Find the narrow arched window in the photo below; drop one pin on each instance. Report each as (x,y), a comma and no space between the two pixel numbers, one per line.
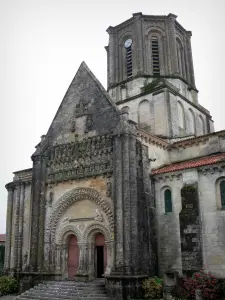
(126,110)
(202,125)
(191,121)
(180,115)
(168,201)
(155,56)
(128,47)
(144,118)
(222,193)
(180,57)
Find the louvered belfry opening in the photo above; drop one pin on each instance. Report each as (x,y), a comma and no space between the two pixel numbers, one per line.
(129,62)
(155,56)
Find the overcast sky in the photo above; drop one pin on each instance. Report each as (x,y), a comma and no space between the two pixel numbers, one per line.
(43,43)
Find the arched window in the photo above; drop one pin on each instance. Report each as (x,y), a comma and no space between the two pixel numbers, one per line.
(180,115)
(126,110)
(168,201)
(202,125)
(128,47)
(180,57)
(222,193)
(144,116)
(191,121)
(155,56)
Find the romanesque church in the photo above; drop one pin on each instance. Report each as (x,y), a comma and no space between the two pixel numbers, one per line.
(127,183)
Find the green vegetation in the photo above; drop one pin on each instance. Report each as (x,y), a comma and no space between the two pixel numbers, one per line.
(8,285)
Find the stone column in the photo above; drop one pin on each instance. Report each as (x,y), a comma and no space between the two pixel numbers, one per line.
(21,218)
(190,59)
(10,187)
(133,203)
(42,216)
(126,204)
(16,225)
(172,43)
(112,61)
(139,63)
(35,201)
(83,257)
(118,207)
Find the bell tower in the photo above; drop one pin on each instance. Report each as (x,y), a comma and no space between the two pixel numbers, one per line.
(150,59)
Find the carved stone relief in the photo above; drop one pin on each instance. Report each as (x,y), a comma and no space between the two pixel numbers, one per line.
(89,157)
(69,199)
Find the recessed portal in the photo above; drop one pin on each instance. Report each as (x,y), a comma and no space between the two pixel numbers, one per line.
(100,255)
(73,256)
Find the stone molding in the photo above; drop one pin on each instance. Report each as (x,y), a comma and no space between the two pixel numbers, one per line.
(65,231)
(68,199)
(95,228)
(167,177)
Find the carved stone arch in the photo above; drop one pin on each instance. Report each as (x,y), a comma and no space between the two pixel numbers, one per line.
(91,230)
(179,41)
(68,199)
(192,121)
(123,37)
(160,32)
(217,185)
(66,231)
(181,115)
(156,33)
(164,193)
(144,115)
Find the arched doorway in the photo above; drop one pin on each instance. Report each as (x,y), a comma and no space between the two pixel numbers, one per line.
(100,255)
(73,256)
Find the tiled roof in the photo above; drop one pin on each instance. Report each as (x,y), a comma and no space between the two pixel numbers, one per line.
(2,237)
(194,163)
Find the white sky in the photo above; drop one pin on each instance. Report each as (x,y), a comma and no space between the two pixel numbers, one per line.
(43,43)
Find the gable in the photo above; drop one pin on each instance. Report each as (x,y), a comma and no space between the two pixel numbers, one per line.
(86,110)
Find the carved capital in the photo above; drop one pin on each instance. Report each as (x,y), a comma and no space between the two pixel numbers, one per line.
(10,186)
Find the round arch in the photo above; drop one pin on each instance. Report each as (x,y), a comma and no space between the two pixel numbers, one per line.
(65,232)
(91,230)
(68,199)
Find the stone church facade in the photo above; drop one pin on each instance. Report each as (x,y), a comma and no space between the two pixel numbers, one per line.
(129,182)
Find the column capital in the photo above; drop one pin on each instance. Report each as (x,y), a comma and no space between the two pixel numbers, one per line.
(10,186)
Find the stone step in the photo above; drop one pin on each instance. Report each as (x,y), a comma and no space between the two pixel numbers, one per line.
(72,290)
(62,293)
(66,290)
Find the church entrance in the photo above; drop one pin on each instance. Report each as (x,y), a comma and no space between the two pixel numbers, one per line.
(73,256)
(100,255)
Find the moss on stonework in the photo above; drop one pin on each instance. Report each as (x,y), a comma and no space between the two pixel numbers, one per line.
(150,87)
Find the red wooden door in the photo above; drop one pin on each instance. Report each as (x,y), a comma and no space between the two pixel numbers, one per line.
(73,256)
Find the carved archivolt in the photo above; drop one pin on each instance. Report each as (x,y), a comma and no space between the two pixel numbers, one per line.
(66,231)
(68,199)
(91,230)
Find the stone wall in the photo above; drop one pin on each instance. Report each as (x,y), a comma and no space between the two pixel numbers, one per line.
(211,219)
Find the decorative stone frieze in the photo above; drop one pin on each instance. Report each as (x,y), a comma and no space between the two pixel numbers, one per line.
(168,177)
(89,157)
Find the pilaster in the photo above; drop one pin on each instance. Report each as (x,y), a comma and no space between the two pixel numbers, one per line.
(42,216)
(35,209)
(21,218)
(10,187)
(190,59)
(16,226)
(112,75)
(118,207)
(172,43)
(139,44)
(133,203)
(126,204)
